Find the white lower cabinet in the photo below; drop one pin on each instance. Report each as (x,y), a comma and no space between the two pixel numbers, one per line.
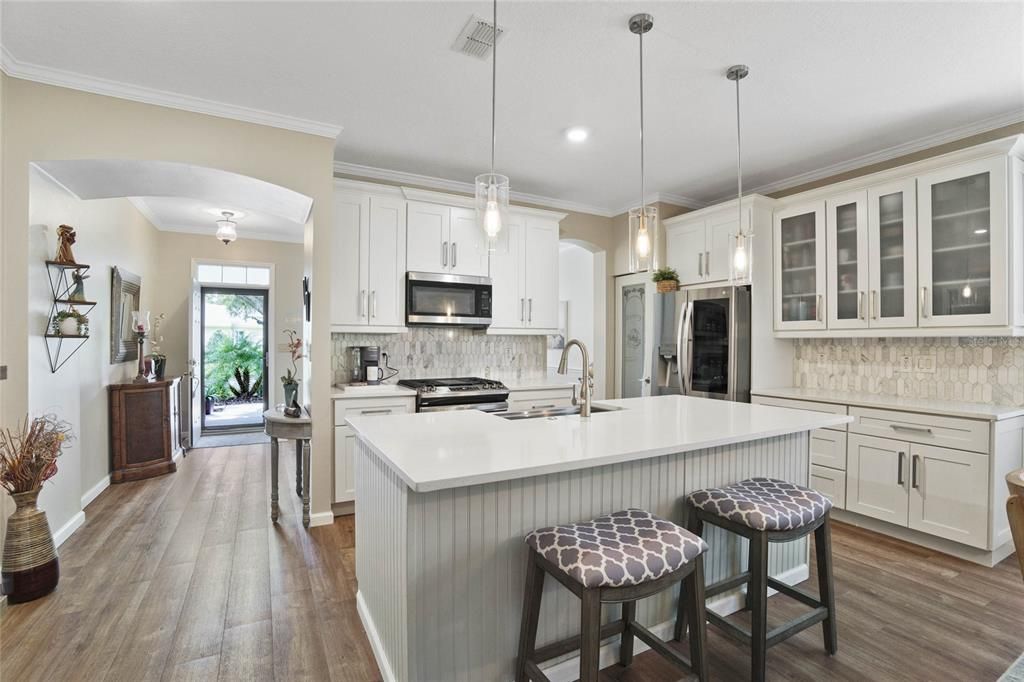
(345,437)
(539,399)
(876,481)
(831,483)
(949,494)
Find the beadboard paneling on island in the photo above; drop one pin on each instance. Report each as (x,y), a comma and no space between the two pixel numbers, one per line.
(429,352)
(969,369)
(459,617)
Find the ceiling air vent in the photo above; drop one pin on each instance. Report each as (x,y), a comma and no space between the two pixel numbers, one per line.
(476,38)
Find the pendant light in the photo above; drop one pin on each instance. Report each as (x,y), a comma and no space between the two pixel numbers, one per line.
(226,228)
(492,192)
(643,221)
(742,242)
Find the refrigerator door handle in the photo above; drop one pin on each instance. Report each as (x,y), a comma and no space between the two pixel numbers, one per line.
(682,359)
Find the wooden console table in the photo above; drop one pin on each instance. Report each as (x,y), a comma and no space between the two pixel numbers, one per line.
(299,429)
(143,429)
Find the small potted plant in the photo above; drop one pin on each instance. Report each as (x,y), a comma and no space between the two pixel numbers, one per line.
(667,279)
(158,358)
(290,380)
(70,322)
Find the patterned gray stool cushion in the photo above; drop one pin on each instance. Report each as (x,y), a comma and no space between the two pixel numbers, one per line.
(763,504)
(624,548)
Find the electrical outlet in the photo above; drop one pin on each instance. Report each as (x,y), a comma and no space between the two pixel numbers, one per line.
(822,360)
(926,363)
(906,363)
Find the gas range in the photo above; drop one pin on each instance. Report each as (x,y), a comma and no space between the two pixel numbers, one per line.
(463,393)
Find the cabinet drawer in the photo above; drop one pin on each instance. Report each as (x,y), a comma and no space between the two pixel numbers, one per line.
(811,405)
(949,432)
(345,408)
(537,399)
(828,448)
(830,483)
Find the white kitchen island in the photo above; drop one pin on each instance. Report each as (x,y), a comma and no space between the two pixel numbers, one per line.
(446,498)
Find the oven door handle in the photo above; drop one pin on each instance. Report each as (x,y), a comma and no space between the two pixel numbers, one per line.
(501,406)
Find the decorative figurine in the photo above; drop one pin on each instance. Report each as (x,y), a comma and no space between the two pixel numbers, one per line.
(78,292)
(66,235)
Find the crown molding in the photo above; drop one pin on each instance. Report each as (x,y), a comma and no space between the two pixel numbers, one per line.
(920,144)
(16,68)
(664,198)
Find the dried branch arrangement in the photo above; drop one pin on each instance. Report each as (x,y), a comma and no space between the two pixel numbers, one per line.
(28,456)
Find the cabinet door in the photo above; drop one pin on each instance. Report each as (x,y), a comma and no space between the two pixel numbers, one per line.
(892,254)
(949,494)
(468,244)
(344,457)
(799,253)
(718,259)
(846,224)
(963,247)
(508,299)
(877,479)
(541,273)
(427,237)
(386,304)
(830,483)
(685,245)
(349,251)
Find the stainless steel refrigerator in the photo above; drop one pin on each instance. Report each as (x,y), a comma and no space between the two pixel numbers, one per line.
(702,343)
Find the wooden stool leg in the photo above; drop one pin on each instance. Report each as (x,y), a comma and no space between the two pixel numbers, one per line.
(531,616)
(826,588)
(590,635)
(757,591)
(695,526)
(275,511)
(298,467)
(626,647)
(693,595)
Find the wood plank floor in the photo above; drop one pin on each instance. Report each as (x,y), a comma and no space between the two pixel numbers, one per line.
(184,578)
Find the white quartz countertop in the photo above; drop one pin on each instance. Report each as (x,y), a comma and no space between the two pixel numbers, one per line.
(924,405)
(440,450)
(378,391)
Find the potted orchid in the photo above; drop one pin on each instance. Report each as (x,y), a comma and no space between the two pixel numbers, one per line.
(290,380)
(158,358)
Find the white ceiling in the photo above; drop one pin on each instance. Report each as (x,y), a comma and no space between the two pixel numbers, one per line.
(197,216)
(830,81)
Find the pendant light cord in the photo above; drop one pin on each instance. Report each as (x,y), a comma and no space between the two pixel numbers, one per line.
(643,212)
(739,162)
(494,79)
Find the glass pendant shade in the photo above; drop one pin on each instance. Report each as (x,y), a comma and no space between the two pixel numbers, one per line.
(492,194)
(644,238)
(742,257)
(226,231)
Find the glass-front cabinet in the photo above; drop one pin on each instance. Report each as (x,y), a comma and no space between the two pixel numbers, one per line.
(848,266)
(963,250)
(800,264)
(892,254)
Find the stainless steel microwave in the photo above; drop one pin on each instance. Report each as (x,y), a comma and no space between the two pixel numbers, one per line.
(443,300)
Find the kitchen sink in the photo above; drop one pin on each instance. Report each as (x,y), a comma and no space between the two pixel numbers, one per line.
(552,412)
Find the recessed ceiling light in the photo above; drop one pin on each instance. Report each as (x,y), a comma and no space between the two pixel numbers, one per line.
(577,134)
(981,230)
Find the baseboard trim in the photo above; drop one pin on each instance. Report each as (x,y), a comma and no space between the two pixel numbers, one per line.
(321,519)
(94,492)
(375,644)
(343,508)
(967,553)
(569,669)
(65,531)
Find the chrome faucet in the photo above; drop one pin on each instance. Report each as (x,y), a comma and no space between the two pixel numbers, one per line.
(588,376)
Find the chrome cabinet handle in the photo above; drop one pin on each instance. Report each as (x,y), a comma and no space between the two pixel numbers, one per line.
(444,254)
(913,472)
(912,429)
(875,304)
(522,309)
(860,305)
(362,303)
(924,302)
(529,313)
(373,303)
(707,263)
(817,308)
(700,264)
(899,469)
(455,253)
(383,411)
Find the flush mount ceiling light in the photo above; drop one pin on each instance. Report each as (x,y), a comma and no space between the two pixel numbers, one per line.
(643,221)
(492,191)
(577,134)
(226,227)
(742,242)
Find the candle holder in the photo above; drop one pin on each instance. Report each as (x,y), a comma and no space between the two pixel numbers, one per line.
(140,323)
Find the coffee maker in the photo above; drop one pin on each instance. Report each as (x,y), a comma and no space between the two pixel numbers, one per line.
(366,365)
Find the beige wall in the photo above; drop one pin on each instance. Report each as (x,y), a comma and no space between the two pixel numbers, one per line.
(176,253)
(42,122)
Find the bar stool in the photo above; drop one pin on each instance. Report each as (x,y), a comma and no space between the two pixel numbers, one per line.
(765,510)
(614,559)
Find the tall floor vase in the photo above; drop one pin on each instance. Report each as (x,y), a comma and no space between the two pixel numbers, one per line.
(30,567)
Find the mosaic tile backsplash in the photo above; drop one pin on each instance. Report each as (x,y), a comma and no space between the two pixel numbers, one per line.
(969,369)
(428,352)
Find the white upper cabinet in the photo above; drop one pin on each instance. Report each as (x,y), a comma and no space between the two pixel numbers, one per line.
(846,237)
(684,246)
(541,273)
(699,248)
(524,273)
(800,262)
(369,261)
(508,300)
(445,239)
(892,254)
(963,248)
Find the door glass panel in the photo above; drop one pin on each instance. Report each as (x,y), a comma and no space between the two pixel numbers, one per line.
(847,286)
(633,306)
(709,366)
(799,268)
(891,252)
(961,247)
